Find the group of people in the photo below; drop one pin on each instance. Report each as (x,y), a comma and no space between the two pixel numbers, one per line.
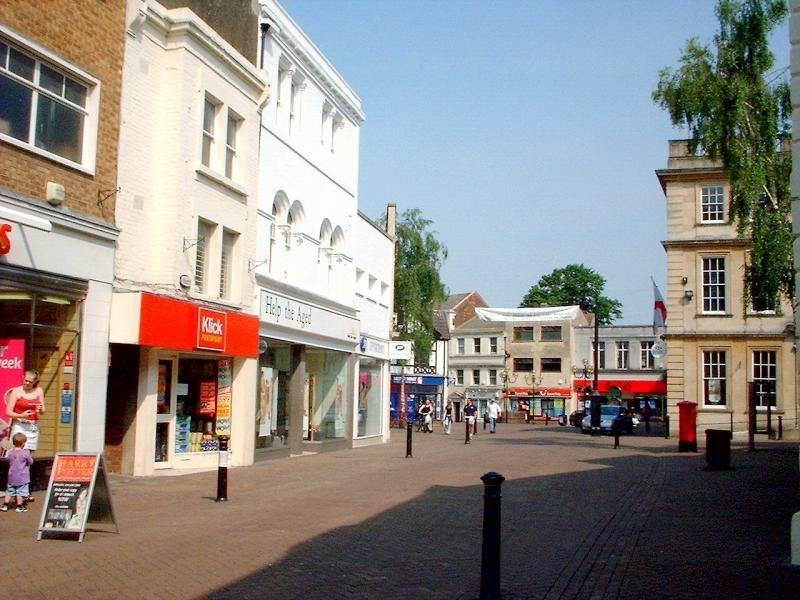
(425,416)
(19,437)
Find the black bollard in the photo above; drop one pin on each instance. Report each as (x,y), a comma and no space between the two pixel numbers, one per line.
(490,552)
(222,470)
(466,435)
(616,437)
(666,427)
(485,420)
(475,426)
(780,427)
(409,429)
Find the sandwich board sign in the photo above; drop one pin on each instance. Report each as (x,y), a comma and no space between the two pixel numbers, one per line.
(78,493)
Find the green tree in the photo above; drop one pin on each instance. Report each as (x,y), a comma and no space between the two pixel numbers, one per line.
(574,284)
(738,111)
(418,287)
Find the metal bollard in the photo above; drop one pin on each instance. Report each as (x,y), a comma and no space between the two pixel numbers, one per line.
(475,426)
(466,435)
(780,427)
(547,418)
(485,419)
(490,552)
(616,438)
(666,427)
(222,470)
(409,429)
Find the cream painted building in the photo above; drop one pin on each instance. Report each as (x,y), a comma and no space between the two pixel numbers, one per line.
(717,346)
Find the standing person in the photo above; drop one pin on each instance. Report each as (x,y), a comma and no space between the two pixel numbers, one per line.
(493,412)
(24,404)
(647,413)
(19,474)
(448,417)
(426,411)
(469,415)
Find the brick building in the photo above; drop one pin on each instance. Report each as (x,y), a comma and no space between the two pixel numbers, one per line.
(60,76)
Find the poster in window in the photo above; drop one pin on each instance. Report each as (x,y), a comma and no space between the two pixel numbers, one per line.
(714,391)
(208,398)
(267,389)
(224,397)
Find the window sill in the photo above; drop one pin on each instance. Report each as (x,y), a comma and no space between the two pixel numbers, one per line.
(48,155)
(221,180)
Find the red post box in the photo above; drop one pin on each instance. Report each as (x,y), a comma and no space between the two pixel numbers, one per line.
(687,426)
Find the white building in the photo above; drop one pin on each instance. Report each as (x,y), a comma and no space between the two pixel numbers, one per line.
(317,263)
(184,289)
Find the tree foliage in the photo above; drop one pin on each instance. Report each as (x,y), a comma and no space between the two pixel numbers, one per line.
(418,287)
(739,112)
(574,284)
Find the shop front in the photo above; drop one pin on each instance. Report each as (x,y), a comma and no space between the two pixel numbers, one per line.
(633,393)
(411,391)
(373,373)
(307,371)
(193,386)
(55,284)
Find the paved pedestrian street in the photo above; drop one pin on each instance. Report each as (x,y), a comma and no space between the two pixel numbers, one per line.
(580,519)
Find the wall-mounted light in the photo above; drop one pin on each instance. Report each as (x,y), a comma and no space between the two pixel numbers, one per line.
(688,294)
(684,280)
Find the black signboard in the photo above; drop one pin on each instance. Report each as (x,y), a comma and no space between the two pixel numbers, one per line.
(78,493)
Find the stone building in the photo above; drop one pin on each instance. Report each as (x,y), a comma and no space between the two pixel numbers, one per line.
(722,353)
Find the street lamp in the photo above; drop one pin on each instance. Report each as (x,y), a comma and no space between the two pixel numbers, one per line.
(587,304)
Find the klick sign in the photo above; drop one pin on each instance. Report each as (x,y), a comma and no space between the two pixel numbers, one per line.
(211,329)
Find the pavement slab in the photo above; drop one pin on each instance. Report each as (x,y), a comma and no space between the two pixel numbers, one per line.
(580,519)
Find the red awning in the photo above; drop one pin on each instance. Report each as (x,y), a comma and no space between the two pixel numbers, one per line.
(630,387)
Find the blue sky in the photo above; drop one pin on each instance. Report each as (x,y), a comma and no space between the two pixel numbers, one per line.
(524,130)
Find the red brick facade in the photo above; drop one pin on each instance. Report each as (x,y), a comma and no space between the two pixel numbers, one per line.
(89,34)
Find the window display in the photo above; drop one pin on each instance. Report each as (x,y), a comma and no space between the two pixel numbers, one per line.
(203,407)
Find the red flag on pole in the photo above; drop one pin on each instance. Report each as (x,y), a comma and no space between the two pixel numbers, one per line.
(659,308)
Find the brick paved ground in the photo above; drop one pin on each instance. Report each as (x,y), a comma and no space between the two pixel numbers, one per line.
(580,520)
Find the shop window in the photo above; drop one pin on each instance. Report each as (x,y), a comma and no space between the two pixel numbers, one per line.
(203,404)
(47,106)
(370,384)
(714,378)
(42,331)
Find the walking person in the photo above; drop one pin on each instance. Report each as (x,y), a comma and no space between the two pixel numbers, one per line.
(469,416)
(647,413)
(493,412)
(19,474)
(447,422)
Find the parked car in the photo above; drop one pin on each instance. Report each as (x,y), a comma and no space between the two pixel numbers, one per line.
(575,417)
(609,413)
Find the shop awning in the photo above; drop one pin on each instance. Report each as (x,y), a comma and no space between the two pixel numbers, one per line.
(630,387)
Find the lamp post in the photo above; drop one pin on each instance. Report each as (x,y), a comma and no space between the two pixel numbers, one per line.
(593,304)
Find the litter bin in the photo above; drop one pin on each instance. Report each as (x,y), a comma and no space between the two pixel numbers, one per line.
(562,419)
(718,449)
(687,426)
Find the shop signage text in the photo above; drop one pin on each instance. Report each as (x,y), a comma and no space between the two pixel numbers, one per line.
(5,241)
(211,329)
(278,309)
(290,313)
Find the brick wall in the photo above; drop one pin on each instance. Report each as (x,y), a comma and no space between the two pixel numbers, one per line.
(90,35)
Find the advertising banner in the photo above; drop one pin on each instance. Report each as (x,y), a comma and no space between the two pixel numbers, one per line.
(12,370)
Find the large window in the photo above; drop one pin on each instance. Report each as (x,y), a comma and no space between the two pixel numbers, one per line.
(202,256)
(523,334)
(524,365)
(712,204)
(551,365)
(460,376)
(623,355)
(230,144)
(460,345)
(551,333)
(714,284)
(476,376)
(476,345)
(601,354)
(493,345)
(46,105)
(765,375)
(209,116)
(492,376)
(226,271)
(714,377)
(645,355)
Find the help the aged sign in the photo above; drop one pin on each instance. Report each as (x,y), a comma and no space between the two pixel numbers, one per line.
(211,329)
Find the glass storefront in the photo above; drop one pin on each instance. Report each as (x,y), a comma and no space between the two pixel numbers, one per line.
(370,386)
(326,403)
(193,404)
(41,330)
